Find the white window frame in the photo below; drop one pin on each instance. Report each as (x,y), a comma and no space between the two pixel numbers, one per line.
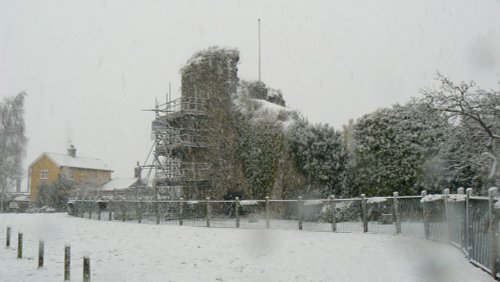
(44,174)
(71,174)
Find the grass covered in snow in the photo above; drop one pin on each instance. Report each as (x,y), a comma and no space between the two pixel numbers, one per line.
(133,252)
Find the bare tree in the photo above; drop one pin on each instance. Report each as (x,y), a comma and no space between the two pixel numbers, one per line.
(475,114)
(12,143)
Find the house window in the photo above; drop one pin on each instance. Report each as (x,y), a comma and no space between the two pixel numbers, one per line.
(44,174)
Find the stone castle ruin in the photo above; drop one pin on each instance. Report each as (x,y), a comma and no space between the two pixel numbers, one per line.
(202,139)
(193,134)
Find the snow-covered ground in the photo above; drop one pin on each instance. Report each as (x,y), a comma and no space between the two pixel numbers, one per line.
(133,252)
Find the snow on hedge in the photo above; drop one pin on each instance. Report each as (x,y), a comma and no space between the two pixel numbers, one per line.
(456,198)
(431,198)
(376,200)
(248,203)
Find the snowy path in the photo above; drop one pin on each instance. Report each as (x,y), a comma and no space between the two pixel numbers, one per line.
(133,252)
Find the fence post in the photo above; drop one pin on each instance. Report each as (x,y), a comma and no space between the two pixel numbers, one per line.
(7,241)
(237,212)
(111,207)
(157,211)
(19,245)
(86,269)
(468,225)
(397,222)
(301,212)
(363,213)
(81,208)
(447,213)
(493,228)
(67,263)
(124,210)
(139,210)
(267,212)
(332,213)
(461,220)
(98,210)
(181,210)
(90,209)
(208,212)
(41,247)
(425,217)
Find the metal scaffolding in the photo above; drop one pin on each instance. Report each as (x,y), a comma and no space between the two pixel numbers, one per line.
(180,133)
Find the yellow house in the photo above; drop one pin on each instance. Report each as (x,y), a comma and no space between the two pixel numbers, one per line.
(49,167)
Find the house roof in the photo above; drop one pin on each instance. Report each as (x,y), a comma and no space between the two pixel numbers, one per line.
(119,184)
(75,162)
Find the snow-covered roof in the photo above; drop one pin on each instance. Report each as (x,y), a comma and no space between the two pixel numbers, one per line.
(119,184)
(76,162)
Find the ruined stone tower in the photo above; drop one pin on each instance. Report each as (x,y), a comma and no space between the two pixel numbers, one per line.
(194,135)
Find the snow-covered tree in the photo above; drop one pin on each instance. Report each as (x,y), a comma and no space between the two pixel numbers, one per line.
(320,155)
(394,148)
(261,145)
(475,114)
(263,148)
(54,195)
(12,142)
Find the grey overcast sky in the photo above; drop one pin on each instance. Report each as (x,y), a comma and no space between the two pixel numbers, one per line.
(89,67)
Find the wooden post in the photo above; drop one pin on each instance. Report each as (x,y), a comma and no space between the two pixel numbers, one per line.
(300,211)
(181,210)
(139,210)
(397,222)
(208,212)
(67,263)
(333,210)
(86,269)
(468,225)
(90,209)
(124,210)
(41,247)
(157,211)
(19,245)
(7,241)
(447,213)
(98,210)
(363,213)
(237,212)
(493,230)
(267,212)
(81,208)
(111,207)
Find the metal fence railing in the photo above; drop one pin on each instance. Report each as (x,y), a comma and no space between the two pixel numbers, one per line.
(468,222)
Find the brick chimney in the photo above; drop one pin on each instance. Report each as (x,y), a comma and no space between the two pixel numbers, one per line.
(72,151)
